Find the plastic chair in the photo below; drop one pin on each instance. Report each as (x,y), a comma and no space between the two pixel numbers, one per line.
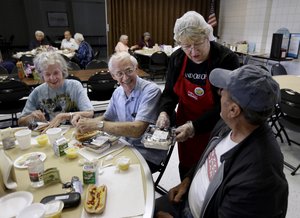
(71,76)
(3,71)
(96,64)
(27,59)
(73,66)
(100,87)
(65,58)
(158,64)
(11,92)
(278,69)
(289,118)
(161,170)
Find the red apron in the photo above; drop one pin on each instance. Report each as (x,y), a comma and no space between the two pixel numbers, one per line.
(194,101)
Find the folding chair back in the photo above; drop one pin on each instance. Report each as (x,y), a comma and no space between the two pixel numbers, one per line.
(290,118)
(278,69)
(163,166)
(100,86)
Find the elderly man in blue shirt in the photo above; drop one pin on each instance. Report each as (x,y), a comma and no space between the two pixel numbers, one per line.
(132,107)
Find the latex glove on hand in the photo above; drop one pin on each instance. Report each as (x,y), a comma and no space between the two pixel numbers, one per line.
(163,120)
(185,131)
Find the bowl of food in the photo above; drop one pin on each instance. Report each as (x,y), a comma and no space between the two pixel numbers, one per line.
(42,140)
(71,152)
(123,163)
(54,209)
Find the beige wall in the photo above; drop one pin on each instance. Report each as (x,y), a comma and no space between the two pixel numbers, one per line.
(256,21)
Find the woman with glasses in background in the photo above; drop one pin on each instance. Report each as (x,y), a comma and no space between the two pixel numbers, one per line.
(188,86)
(132,107)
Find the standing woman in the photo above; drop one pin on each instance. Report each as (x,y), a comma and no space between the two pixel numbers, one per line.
(58,99)
(188,86)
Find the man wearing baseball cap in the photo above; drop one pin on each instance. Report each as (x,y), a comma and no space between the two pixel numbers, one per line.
(241,172)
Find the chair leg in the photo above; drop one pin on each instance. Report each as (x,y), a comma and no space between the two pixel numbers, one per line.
(159,189)
(295,169)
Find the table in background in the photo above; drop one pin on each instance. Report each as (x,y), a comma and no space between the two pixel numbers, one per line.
(288,82)
(34,52)
(263,56)
(83,75)
(70,167)
(148,52)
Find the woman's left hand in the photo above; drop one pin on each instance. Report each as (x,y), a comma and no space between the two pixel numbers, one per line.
(184,132)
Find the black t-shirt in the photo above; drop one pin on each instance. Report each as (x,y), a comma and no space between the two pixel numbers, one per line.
(196,73)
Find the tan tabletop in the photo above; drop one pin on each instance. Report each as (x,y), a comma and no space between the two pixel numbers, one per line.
(70,167)
(289,82)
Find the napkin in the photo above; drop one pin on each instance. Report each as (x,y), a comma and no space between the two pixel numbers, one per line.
(90,155)
(8,180)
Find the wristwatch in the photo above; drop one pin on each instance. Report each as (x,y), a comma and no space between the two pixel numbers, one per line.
(100,125)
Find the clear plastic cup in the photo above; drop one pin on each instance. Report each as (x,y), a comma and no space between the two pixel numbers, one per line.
(24,138)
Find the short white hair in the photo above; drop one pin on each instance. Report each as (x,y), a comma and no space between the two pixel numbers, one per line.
(123,37)
(38,32)
(79,37)
(44,59)
(192,24)
(122,56)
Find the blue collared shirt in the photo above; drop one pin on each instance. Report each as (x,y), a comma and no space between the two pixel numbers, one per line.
(141,105)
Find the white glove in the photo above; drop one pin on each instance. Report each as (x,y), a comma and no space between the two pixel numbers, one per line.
(163,120)
(185,131)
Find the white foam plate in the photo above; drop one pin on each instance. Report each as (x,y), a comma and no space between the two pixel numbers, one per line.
(12,204)
(36,210)
(21,162)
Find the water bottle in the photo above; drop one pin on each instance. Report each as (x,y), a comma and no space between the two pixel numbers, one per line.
(36,171)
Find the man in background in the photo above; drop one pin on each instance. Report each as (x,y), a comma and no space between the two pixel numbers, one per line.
(68,42)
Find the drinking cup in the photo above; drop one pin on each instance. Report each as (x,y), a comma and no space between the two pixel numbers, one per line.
(24,138)
(53,134)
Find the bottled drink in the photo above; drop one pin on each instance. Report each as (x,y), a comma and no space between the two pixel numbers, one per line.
(20,67)
(36,171)
(76,184)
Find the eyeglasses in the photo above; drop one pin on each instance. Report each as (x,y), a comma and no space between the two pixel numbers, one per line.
(195,46)
(128,72)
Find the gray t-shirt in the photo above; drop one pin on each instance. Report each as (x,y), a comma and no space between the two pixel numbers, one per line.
(70,97)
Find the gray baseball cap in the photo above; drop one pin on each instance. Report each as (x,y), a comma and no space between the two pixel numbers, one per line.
(250,86)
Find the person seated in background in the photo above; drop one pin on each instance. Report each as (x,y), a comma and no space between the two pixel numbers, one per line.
(132,107)
(122,45)
(85,53)
(145,42)
(241,171)
(58,99)
(39,40)
(68,42)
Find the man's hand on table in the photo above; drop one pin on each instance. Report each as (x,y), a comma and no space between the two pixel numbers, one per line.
(86,125)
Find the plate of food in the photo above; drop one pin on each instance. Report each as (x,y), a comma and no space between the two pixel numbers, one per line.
(95,199)
(101,142)
(22,161)
(157,138)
